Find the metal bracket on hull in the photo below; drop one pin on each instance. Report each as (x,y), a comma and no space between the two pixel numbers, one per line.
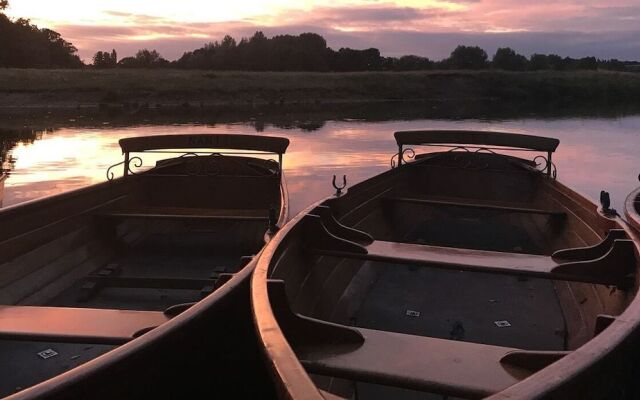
(339,188)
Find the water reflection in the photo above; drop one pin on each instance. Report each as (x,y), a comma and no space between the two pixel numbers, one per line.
(594,154)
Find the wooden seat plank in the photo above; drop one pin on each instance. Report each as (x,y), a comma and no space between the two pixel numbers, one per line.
(613,268)
(76,324)
(415,362)
(443,366)
(461,259)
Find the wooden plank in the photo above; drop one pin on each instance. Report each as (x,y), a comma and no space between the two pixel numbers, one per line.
(461,259)
(70,324)
(416,362)
(614,268)
(478,205)
(205,141)
(480,138)
(183,217)
(150,282)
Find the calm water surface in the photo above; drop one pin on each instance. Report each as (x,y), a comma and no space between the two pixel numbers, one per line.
(594,154)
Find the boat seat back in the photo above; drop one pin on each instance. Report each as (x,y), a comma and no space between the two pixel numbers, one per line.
(206,193)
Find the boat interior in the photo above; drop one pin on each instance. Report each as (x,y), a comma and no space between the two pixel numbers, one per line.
(86,271)
(456,274)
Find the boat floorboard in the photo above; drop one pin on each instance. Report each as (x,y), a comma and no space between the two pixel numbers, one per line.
(157,259)
(461,306)
(21,366)
(464,306)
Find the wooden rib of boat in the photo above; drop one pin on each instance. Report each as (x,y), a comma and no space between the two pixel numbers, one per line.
(139,286)
(632,208)
(466,272)
(3,177)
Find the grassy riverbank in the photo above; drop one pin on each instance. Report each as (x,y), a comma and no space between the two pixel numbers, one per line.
(72,88)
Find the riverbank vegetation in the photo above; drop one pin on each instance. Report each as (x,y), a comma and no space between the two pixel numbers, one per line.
(198,88)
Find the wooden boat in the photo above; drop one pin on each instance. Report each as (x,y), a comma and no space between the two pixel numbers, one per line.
(465,272)
(138,287)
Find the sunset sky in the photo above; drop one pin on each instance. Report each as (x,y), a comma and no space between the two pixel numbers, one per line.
(432,28)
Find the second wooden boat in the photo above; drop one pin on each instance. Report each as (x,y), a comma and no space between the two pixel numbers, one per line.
(468,272)
(138,287)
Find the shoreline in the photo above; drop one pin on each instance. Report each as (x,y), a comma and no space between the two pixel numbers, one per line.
(157,88)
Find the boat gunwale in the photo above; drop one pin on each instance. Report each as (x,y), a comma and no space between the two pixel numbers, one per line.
(295,383)
(632,208)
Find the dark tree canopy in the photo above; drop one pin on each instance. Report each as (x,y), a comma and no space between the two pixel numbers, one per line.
(26,46)
(144,59)
(468,57)
(104,59)
(4,4)
(507,59)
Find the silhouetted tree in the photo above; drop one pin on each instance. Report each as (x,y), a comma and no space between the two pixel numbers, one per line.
(408,63)
(143,59)
(347,59)
(507,59)
(588,63)
(26,46)
(103,59)
(4,4)
(538,62)
(468,57)
(555,62)
(128,62)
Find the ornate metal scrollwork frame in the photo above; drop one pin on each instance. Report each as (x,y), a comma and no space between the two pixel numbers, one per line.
(407,154)
(207,164)
(135,161)
(546,166)
(541,163)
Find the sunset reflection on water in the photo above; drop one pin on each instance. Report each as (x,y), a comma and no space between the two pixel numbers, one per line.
(594,154)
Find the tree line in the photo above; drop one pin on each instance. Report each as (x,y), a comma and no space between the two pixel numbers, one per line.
(24,45)
(309,52)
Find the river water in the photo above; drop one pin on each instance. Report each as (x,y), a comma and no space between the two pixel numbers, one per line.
(595,153)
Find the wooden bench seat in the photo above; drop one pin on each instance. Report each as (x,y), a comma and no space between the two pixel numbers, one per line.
(456,368)
(477,204)
(613,268)
(76,324)
(610,263)
(416,362)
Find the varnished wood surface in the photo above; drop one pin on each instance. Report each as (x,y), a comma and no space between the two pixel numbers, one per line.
(481,138)
(80,324)
(205,141)
(3,177)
